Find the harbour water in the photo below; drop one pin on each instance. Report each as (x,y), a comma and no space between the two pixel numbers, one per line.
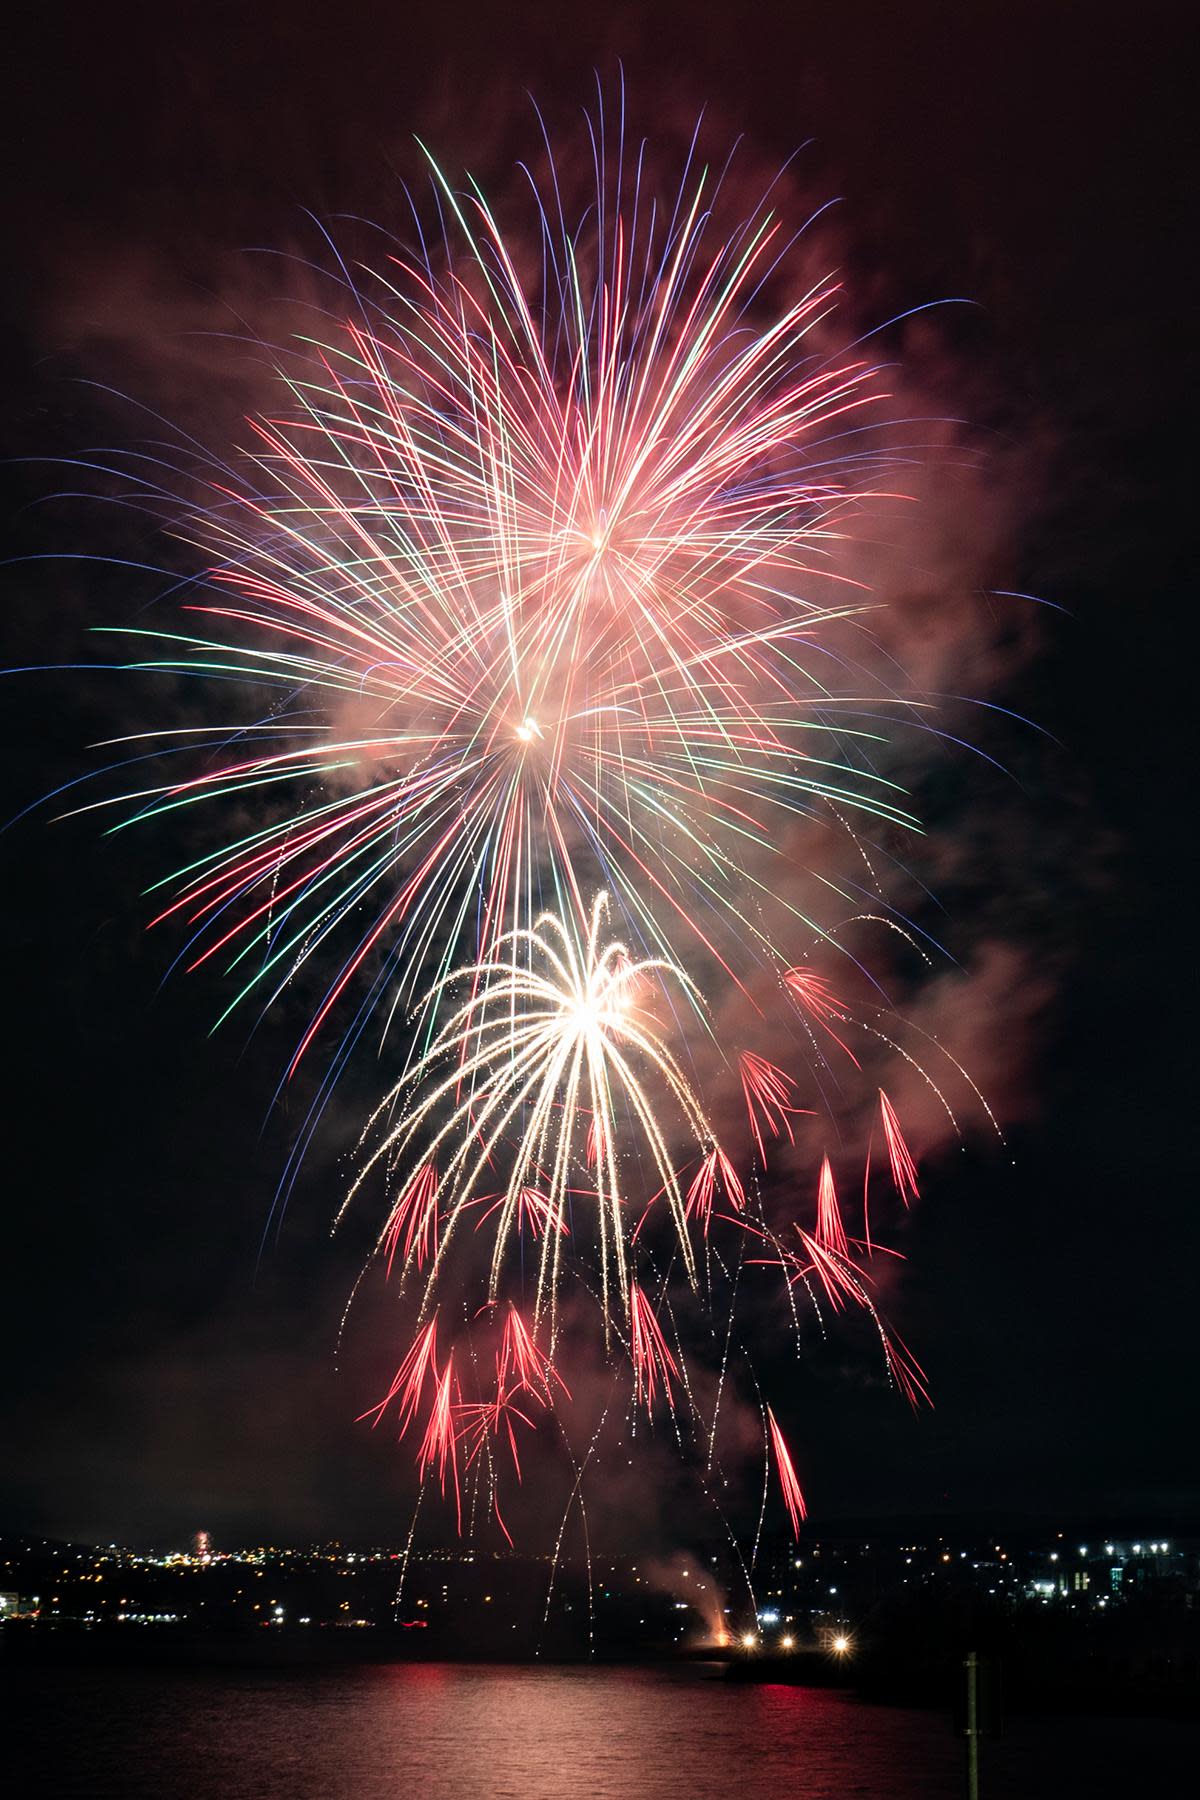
(429,1731)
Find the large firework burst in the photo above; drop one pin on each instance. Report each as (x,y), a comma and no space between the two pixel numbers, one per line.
(524,596)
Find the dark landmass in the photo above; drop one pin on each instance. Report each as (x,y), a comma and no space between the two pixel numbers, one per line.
(1061,1620)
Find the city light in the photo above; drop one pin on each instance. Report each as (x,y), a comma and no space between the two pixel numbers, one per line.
(273,1585)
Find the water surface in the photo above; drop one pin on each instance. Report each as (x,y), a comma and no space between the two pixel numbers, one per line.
(459,1732)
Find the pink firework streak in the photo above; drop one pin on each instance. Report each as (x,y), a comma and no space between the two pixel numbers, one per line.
(905,1370)
(652,1360)
(596,1141)
(793,1498)
(770,1096)
(440,1443)
(520,1358)
(409,1380)
(702,1189)
(416,1215)
(904,1169)
(481,1419)
(832,1270)
(533,1211)
(817,998)
(830,1232)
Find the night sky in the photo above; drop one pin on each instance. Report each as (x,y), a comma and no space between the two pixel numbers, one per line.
(1034,159)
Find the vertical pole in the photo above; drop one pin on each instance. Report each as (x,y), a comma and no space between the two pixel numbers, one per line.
(972,1667)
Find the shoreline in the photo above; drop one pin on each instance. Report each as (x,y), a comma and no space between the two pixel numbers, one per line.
(871,1681)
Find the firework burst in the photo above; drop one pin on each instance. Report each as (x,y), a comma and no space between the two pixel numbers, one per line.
(525,592)
(533,591)
(549,1063)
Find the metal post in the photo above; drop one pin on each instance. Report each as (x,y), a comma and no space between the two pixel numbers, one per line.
(972,1668)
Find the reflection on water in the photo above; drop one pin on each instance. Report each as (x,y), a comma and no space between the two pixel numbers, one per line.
(455,1732)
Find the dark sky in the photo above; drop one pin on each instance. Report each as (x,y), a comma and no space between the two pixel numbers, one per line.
(1036,159)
